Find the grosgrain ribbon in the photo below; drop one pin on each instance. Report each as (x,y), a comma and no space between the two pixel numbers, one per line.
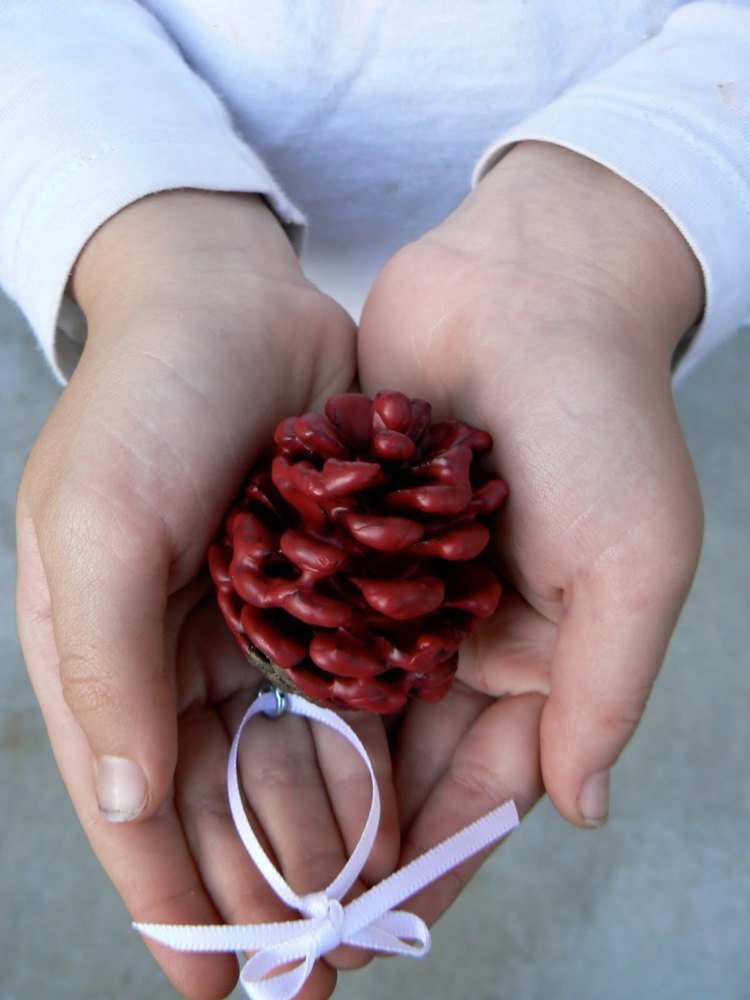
(366,922)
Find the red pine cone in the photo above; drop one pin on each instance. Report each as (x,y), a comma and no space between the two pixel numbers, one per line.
(351,560)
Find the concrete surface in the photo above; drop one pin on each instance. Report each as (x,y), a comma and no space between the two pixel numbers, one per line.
(657,905)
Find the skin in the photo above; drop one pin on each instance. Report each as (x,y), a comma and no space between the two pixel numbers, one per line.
(192,299)
(545,308)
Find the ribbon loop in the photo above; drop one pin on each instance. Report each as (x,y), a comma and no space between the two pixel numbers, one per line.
(395,933)
(369,921)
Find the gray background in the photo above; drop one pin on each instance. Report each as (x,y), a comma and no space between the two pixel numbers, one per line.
(657,904)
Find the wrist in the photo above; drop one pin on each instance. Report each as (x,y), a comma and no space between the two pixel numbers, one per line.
(574,220)
(170,245)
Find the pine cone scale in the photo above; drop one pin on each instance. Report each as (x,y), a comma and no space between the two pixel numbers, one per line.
(387,533)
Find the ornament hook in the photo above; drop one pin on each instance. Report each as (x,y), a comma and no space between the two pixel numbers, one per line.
(280,705)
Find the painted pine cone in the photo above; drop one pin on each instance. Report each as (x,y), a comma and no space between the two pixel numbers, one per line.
(352,559)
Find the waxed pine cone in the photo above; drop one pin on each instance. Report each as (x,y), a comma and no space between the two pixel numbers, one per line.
(352,559)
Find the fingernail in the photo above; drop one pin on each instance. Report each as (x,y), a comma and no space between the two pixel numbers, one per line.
(121,788)
(594,799)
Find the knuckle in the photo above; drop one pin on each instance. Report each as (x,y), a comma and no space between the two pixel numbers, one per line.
(619,725)
(210,804)
(322,862)
(285,772)
(480,783)
(618,717)
(85,691)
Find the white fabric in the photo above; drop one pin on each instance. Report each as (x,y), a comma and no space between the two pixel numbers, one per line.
(369,921)
(365,117)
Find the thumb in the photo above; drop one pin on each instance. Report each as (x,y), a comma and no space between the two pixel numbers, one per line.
(612,641)
(91,609)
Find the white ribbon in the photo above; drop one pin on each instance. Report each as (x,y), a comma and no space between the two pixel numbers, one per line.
(367,922)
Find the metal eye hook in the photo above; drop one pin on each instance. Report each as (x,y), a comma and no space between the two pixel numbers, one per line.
(280,697)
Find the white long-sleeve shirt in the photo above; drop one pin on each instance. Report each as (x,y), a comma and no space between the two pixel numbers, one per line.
(363,122)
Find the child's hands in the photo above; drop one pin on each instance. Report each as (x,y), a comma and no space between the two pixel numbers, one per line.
(203,333)
(546,309)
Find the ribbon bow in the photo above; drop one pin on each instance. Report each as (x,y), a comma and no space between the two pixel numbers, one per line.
(370,921)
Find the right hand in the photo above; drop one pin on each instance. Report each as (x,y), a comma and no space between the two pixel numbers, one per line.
(546,309)
(203,333)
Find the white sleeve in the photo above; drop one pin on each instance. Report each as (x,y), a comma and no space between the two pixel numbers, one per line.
(98,109)
(673,118)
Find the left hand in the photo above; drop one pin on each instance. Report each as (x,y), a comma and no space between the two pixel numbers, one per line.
(546,309)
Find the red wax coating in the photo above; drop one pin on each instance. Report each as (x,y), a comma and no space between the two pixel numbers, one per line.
(354,557)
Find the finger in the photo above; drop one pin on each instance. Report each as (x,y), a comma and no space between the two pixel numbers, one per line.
(241,893)
(612,640)
(497,760)
(287,796)
(149,862)
(101,580)
(427,739)
(350,792)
